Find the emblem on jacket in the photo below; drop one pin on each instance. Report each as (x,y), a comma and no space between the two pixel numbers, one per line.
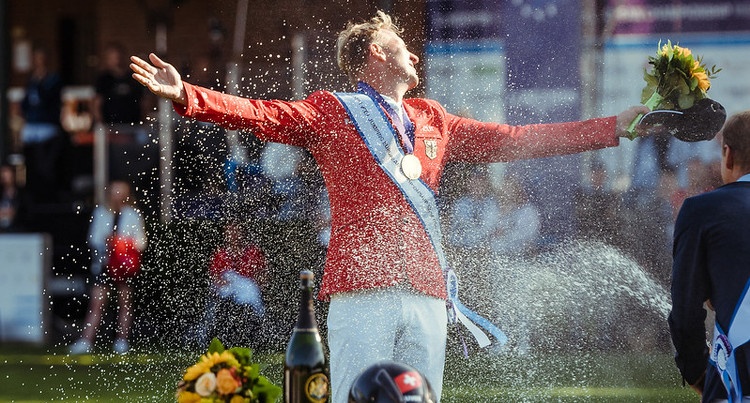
(430,148)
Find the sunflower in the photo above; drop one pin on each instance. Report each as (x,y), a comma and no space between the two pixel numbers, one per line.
(208,361)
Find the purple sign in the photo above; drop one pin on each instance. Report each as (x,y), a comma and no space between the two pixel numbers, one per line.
(543,41)
(658,16)
(457,20)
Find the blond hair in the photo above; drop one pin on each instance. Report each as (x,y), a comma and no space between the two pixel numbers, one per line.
(354,41)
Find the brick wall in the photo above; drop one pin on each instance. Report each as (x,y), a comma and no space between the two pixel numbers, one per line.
(75,31)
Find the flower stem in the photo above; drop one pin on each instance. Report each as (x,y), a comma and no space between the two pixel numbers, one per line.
(651,103)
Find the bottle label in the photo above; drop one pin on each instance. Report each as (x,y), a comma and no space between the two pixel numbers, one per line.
(316,388)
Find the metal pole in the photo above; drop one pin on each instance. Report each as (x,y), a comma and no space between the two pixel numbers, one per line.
(165,137)
(590,65)
(298,65)
(236,152)
(590,59)
(101,161)
(4,74)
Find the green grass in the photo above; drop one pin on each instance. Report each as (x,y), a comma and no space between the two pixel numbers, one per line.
(30,374)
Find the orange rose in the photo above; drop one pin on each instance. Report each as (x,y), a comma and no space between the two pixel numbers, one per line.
(226,382)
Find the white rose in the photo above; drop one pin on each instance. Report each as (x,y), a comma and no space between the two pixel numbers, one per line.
(206,384)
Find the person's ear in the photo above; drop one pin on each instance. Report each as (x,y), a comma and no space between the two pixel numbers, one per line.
(728,157)
(377,52)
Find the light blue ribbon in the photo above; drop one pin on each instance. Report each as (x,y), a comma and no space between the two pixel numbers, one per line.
(378,134)
(724,345)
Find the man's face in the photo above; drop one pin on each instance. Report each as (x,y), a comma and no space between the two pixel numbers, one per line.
(400,61)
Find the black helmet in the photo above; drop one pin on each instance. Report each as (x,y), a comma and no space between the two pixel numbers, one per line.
(699,122)
(391,382)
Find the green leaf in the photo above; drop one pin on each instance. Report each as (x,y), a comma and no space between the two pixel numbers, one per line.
(685,101)
(693,84)
(244,355)
(266,391)
(683,87)
(216,346)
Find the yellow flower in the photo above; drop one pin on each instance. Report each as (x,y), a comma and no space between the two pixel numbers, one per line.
(684,52)
(226,382)
(238,399)
(195,371)
(664,50)
(188,397)
(207,362)
(703,82)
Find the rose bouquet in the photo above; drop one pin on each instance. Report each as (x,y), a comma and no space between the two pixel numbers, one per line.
(226,376)
(676,81)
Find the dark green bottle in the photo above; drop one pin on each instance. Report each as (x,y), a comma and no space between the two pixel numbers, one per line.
(305,366)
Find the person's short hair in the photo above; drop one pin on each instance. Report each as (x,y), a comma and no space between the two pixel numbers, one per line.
(736,135)
(354,41)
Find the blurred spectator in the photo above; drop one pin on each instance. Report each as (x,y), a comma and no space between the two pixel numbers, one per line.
(474,215)
(201,148)
(237,271)
(118,102)
(117,230)
(518,226)
(41,134)
(702,176)
(11,201)
(598,215)
(472,225)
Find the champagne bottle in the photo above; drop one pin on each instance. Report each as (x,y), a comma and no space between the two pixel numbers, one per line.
(305,365)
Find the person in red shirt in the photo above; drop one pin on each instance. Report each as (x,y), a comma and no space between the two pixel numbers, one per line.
(237,271)
(381,156)
(237,255)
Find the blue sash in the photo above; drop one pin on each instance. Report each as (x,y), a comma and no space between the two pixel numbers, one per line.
(378,134)
(725,343)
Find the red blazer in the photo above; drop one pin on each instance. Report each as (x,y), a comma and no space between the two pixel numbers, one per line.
(376,239)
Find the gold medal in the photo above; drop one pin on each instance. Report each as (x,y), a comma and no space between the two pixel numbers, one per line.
(411,167)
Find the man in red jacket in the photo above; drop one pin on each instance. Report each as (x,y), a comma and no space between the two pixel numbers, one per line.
(381,156)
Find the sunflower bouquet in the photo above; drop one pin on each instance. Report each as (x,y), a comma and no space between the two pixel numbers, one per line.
(676,81)
(226,376)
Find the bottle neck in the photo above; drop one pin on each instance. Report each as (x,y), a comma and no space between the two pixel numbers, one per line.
(306,315)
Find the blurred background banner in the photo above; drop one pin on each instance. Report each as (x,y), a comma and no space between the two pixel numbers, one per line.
(544,86)
(515,62)
(719,31)
(465,58)
(24,260)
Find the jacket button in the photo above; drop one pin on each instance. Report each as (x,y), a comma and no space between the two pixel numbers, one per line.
(405,220)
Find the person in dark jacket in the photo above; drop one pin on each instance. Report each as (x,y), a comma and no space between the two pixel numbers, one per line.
(42,134)
(711,271)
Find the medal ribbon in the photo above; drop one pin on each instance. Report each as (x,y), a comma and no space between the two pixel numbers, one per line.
(725,344)
(405,127)
(378,135)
